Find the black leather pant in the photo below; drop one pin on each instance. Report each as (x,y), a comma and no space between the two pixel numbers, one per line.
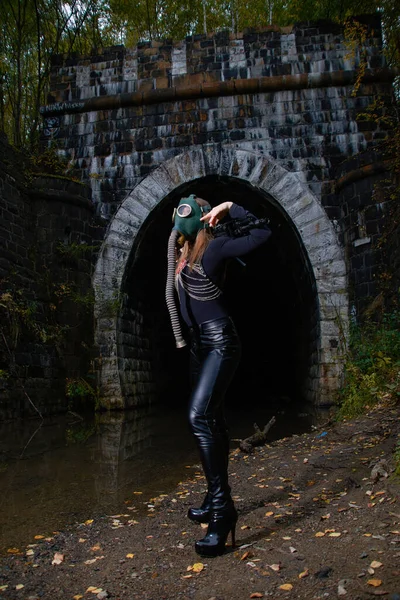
(214,356)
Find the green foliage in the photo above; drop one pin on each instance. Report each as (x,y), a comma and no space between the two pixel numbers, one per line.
(74,251)
(63,291)
(355,34)
(372,368)
(80,433)
(21,314)
(48,162)
(80,391)
(386,119)
(109,307)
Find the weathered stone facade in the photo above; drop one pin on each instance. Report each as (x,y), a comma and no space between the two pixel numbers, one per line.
(284,93)
(45,290)
(267,118)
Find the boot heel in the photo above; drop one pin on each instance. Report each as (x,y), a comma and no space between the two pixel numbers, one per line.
(222,523)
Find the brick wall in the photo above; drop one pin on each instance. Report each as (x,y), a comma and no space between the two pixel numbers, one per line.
(286,93)
(46,317)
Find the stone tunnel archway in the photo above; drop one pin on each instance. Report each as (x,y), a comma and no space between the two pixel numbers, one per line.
(129,347)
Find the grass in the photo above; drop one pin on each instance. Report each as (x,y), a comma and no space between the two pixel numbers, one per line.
(372,368)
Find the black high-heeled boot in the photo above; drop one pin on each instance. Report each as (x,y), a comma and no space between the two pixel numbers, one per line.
(202,514)
(221,523)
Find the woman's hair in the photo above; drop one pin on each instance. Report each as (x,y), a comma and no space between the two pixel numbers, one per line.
(192,251)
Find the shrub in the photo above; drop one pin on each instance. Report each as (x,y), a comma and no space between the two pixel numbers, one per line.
(372,368)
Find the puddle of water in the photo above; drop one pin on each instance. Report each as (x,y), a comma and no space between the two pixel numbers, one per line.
(72,468)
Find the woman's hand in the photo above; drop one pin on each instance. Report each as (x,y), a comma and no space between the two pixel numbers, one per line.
(217,213)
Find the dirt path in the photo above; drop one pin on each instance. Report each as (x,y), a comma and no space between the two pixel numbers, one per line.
(319,517)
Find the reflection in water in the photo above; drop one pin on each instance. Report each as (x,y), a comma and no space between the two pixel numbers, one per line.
(120,437)
(71,468)
(66,469)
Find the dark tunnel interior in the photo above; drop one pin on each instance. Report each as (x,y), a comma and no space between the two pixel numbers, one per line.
(272,300)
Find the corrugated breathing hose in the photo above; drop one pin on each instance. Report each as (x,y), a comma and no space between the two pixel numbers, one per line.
(170,291)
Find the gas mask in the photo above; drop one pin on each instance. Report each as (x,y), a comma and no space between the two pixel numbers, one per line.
(186,217)
(186,220)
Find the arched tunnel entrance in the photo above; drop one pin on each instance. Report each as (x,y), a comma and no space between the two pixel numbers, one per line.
(272,299)
(289,301)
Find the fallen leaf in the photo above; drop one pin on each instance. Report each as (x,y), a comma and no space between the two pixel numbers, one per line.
(275,567)
(286,586)
(77,597)
(319,534)
(13,550)
(245,555)
(197,567)
(39,537)
(374,582)
(3,588)
(93,560)
(81,540)
(130,555)
(304,574)
(256,595)
(58,558)
(245,527)
(94,590)
(335,534)
(269,513)
(341,589)
(96,547)
(375,564)
(19,586)
(186,576)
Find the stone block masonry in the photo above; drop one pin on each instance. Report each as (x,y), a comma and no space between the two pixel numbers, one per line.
(45,287)
(275,111)
(286,93)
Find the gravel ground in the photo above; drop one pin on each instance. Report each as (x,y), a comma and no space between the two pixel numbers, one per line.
(319,517)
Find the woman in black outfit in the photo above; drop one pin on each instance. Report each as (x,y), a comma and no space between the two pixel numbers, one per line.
(197,262)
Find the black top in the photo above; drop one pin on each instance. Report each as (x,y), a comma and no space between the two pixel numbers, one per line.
(209,302)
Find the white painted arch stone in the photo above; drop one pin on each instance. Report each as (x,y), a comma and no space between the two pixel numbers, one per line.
(316,231)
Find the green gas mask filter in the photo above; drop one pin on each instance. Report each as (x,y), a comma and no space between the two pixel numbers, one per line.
(187,217)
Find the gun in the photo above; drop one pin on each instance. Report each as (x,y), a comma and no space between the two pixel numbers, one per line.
(238,227)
